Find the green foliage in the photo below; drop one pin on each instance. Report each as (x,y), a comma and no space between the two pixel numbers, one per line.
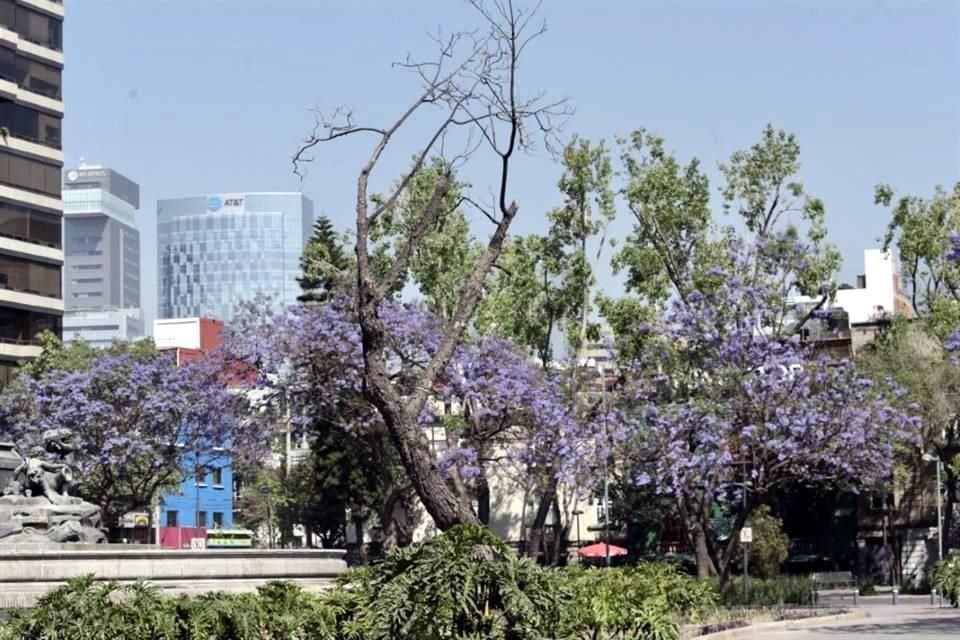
(530,269)
(587,209)
(646,601)
(783,590)
(945,577)
(444,257)
(919,228)
(671,207)
(325,265)
(463,584)
(552,274)
(343,471)
(78,355)
(770,546)
(762,187)
(85,610)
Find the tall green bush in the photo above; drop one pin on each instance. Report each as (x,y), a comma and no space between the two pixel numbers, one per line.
(647,601)
(782,590)
(770,546)
(945,577)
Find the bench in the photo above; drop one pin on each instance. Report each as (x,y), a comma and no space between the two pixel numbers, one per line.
(838,582)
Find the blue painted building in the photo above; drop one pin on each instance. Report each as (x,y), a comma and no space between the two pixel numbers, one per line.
(205,501)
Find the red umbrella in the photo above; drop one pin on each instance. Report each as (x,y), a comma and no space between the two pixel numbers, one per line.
(599,550)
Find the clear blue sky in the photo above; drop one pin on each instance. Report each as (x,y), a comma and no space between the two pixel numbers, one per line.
(196,97)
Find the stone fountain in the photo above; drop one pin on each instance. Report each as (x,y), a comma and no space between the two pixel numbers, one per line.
(48,535)
(36,506)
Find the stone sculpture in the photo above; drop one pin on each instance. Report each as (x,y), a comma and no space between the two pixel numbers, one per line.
(37,505)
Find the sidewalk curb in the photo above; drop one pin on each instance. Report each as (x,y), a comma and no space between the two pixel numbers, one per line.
(783,625)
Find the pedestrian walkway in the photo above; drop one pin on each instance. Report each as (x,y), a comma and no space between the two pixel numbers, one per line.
(912,619)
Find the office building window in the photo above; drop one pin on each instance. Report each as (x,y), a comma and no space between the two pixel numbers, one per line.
(29,174)
(218,519)
(218,477)
(172,518)
(201,477)
(21,327)
(201,519)
(28,276)
(22,223)
(32,25)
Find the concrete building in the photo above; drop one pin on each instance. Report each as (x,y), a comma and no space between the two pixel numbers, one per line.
(31,108)
(216,251)
(101,283)
(204,501)
(877,294)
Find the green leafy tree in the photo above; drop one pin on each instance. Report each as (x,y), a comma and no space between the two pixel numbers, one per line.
(325,265)
(763,188)
(919,229)
(79,355)
(913,353)
(669,245)
(770,546)
(441,262)
(587,210)
(526,300)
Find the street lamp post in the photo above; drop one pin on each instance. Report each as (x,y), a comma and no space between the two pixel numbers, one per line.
(576,518)
(932,458)
(606,477)
(265,490)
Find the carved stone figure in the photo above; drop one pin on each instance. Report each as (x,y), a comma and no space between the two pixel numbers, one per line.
(36,505)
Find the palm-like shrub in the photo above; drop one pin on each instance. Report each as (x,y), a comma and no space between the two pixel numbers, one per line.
(464,584)
(945,577)
(85,610)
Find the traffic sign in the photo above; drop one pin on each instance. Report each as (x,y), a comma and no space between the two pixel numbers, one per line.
(746,534)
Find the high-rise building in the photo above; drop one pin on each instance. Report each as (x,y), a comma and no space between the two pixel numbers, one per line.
(101,270)
(219,250)
(31,109)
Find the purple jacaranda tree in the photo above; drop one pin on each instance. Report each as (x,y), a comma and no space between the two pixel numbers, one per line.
(494,411)
(730,413)
(141,425)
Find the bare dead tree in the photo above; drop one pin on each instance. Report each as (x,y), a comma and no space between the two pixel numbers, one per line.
(473,85)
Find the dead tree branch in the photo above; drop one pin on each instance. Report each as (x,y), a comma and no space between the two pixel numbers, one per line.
(473,84)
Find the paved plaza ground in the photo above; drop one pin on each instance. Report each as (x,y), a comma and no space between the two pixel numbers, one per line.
(912,619)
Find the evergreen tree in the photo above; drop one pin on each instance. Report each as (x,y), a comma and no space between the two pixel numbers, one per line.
(324,263)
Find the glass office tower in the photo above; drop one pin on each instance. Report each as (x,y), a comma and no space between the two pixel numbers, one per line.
(216,251)
(101,283)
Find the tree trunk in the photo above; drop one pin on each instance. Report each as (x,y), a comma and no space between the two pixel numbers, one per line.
(697,535)
(562,530)
(705,568)
(391,532)
(547,498)
(483,498)
(948,508)
(441,502)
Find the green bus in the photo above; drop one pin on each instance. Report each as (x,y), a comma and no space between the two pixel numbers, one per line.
(229,539)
